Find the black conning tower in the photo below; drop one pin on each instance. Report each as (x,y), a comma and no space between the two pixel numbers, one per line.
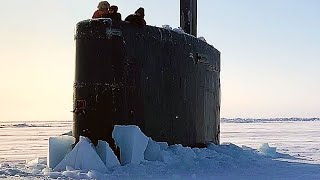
(165,82)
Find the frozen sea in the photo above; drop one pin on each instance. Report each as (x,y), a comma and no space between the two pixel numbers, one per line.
(297,155)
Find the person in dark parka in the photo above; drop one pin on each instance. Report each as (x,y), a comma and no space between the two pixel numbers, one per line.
(113,14)
(137,18)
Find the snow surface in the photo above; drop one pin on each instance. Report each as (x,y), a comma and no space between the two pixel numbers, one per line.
(202,39)
(292,152)
(178,29)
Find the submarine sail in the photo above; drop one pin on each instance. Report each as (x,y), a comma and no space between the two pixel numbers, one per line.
(165,82)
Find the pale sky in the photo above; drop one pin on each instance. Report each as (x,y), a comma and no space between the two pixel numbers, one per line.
(270,54)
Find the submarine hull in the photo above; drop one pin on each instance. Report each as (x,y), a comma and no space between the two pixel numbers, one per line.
(165,82)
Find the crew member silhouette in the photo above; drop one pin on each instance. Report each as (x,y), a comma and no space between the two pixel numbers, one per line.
(137,18)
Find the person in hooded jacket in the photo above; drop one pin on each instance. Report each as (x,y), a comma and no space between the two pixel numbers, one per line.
(113,13)
(103,10)
(137,18)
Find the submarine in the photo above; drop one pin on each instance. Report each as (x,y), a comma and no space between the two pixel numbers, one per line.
(165,82)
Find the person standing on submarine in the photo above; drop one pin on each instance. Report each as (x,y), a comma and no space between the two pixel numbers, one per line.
(102,11)
(113,14)
(137,18)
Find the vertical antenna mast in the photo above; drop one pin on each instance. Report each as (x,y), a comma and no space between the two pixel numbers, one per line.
(188,16)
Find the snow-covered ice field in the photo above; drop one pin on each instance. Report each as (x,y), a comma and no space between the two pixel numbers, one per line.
(297,153)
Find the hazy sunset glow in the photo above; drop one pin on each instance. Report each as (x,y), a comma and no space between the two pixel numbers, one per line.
(270,54)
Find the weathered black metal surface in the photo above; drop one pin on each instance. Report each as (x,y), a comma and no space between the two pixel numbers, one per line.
(188,16)
(165,82)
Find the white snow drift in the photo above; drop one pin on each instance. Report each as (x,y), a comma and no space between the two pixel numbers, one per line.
(160,161)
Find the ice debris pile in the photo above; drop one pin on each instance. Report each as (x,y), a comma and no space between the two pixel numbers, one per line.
(85,160)
(141,158)
(85,157)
